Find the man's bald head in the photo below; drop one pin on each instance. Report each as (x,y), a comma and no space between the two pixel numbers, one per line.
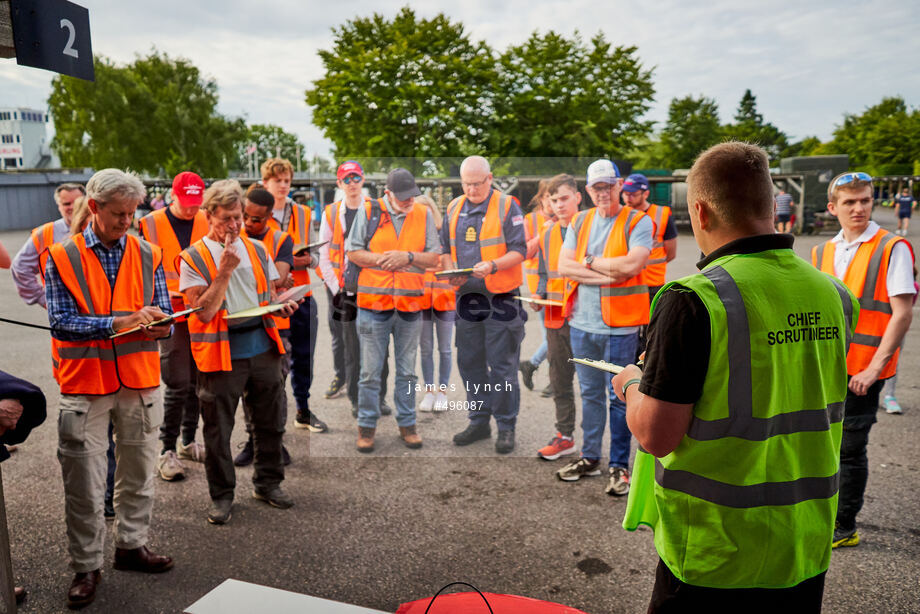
(475,165)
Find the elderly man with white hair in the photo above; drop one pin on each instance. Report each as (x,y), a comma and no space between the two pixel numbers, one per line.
(484,231)
(99,283)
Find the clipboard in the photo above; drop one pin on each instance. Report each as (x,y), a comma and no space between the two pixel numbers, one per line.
(292,294)
(603,365)
(301,248)
(453,272)
(540,301)
(163,322)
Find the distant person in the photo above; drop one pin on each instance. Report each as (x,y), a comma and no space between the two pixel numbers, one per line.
(905,204)
(879,267)
(784,205)
(157,203)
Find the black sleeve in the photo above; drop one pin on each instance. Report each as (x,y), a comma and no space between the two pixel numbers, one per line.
(33,407)
(542,269)
(670,230)
(286,251)
(677,353)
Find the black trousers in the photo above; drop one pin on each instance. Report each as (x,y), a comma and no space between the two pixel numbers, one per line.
(859,415)
(670,595)
(180,399)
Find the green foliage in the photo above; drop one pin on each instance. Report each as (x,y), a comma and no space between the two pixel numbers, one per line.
(271,141)
(809,146)
(562,97)
(883,140)
(692,127)
(156,115)
(750,127)
(402,89)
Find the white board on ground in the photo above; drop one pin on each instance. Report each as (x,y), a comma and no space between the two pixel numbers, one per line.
(236,597)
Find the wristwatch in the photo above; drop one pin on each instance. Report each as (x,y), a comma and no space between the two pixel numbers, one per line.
(588,260)
(411,257)
(494,268)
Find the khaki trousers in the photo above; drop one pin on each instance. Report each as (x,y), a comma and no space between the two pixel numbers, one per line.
(83,424)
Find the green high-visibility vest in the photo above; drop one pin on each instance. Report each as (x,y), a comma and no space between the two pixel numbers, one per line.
(749,496)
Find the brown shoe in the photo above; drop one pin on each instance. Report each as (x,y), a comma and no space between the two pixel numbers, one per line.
(141,559)
(366,439)
(83,589)
(20,593)
(410,437)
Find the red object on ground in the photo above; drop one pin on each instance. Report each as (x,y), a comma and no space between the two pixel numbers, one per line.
(472,603)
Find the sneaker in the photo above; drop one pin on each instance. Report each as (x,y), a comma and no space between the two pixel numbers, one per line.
(385,409)
(336,388)
(579,468)
(440,402)
(193,451)
(244,458)
(472,433)
(619,482)
(892,406)
(285,455)
(527,369)
(169,467)
(427,403)
(306,420)
(560,445)
(219,512)
(547,392)
(504,443)
(844,538)
(275,497)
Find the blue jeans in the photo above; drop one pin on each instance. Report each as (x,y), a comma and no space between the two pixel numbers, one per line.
(374,330)
(596,388)
(442,324)
(304,325)
(540,355)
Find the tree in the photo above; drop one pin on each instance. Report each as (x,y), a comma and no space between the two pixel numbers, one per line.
(404,88)
(562,97)
(809,146)
(749,126)
(271,141)
(692,127)
(156,115)
(884,139)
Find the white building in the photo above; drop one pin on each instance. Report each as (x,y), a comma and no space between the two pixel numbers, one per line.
(24,141)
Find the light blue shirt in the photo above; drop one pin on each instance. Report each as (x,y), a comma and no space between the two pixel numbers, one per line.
(586,314)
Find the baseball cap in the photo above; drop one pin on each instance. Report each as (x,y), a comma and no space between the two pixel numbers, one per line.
(603,171)
(637,182)
(347,168)
(402,184)
(188,189)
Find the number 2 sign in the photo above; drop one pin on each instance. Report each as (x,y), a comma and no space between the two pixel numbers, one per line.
(54,35)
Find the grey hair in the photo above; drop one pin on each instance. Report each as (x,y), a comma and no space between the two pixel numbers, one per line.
(111,184)
(66,187)
(474,163)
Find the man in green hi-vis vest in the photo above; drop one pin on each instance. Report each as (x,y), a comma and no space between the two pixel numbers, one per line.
(739,410)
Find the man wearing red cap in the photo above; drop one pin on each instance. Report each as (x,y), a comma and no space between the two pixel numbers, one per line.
(173,229)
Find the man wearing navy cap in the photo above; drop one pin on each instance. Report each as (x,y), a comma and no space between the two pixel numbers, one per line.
(664,235)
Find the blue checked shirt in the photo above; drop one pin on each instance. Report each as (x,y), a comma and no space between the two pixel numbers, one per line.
(67,323)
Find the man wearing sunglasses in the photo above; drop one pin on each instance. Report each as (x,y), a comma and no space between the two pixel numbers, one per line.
(878,267)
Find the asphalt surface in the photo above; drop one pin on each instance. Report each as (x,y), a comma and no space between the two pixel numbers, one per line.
(398,525)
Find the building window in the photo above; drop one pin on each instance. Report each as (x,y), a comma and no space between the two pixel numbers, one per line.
(17,138)
(6,138)
(9,163)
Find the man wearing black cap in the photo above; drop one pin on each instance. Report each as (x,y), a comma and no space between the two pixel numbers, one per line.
(393,241)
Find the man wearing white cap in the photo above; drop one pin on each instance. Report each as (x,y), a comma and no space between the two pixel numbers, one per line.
(604,253)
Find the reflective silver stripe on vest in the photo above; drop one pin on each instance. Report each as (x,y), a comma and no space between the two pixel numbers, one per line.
(391,291)
(659,213)
(210,337)
(171,275)
(867,297)
(819,256)
(741,422)
(150,226)
(870,340)
(554,296)
(847,308)
(146,271)
(750,496)
(441,285)
(262,253)
(656,260)
(200,264)
(627,226)
(607,291)
(107,353)
(414,268)
(553,275)
(73,254)
(335,246)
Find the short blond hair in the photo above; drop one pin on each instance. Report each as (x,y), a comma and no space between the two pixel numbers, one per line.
(733,178)
(225,194)
(275,167)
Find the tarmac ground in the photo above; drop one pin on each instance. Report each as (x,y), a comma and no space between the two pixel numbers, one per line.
(382,529)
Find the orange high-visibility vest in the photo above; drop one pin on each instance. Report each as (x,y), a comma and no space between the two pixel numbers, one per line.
(337,243)
(867,277)
(210,341)
(157,230)
(656,268)
(42,239)
(551,246)
(491,239)
(622,304)
(272,242)
(300,228)
(103,366)
(439,294)
(402,290)
(533,222)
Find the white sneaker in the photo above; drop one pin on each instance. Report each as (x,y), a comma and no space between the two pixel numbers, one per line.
(193,451)
(440,403)
(427,402)
(169,467)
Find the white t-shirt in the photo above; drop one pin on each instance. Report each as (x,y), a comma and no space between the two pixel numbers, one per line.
(241,292)
(900,279)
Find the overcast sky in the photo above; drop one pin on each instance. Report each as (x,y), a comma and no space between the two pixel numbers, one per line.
(808,63)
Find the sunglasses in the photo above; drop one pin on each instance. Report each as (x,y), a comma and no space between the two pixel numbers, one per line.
(352,179)
(850,178)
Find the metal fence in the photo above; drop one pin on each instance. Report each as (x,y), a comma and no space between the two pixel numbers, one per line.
(27,199)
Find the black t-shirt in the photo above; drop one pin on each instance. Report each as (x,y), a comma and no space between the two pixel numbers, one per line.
(349,218)
(679,341)
(182,228)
